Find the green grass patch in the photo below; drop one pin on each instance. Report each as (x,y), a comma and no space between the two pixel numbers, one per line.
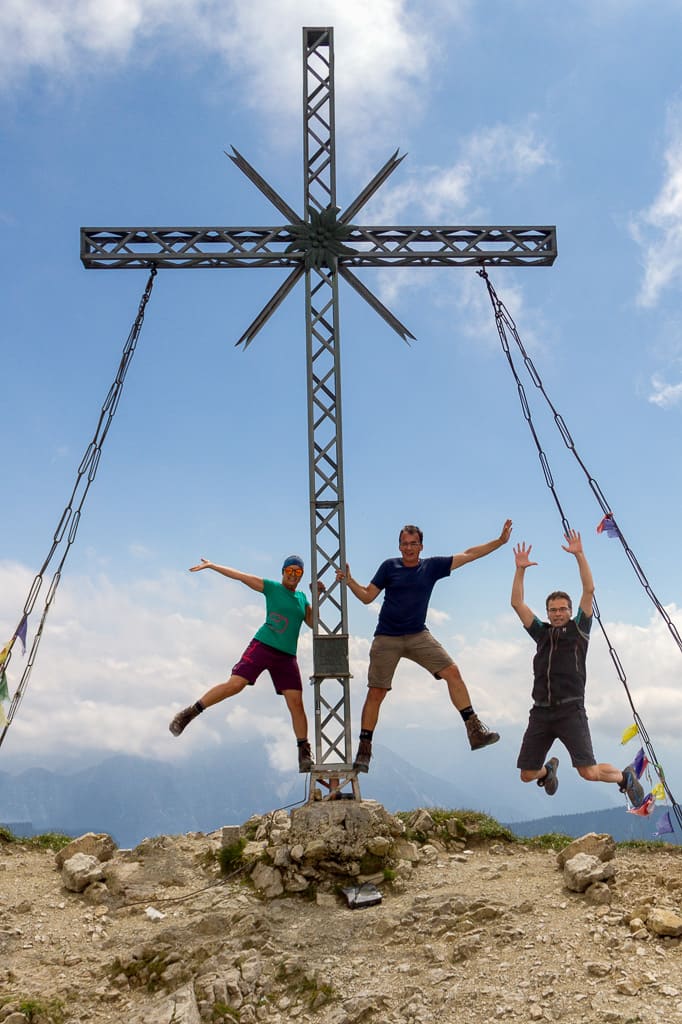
(230,857)
(36,1011)
(54,841)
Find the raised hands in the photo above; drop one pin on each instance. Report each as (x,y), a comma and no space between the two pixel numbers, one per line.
(522,555)
(574,544)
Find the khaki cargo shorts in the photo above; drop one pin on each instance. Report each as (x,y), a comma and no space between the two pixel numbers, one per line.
(386,652)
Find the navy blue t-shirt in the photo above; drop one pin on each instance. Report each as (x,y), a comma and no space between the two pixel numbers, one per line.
(407,593)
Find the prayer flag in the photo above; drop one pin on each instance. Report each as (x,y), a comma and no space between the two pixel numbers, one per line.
(4,652)
(658,791)
(640,762)
(664,825)
(645,808)
(608,526)
(4,691)
(21,633)
(631,731)
(4,722)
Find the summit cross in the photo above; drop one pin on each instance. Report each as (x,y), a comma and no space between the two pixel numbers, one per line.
(321,245)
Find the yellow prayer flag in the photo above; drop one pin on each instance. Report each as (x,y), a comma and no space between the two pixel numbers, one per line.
(4,652)
(631,731)
(3,718)
(658,791)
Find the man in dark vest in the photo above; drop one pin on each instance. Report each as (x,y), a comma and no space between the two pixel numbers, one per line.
(559,676)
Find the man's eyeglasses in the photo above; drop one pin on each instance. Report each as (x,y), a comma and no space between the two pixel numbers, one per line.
(293,570)
(409,544)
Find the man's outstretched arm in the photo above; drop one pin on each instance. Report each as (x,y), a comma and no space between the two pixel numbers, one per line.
(523,562)
(574,546)
(480,550)
(365,594)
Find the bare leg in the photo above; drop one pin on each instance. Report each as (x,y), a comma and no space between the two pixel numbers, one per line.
(370,710)
(459,695)
(299,721)
(601,773)
(233,686)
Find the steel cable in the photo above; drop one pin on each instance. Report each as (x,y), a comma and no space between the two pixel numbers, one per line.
(504,321)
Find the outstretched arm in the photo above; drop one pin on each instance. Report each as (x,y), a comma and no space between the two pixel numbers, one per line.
(480,550)
(255,582)
(523,562)
(574,546)
(365,594)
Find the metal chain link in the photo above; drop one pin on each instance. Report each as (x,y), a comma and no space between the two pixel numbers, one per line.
(504,321)
(71,516)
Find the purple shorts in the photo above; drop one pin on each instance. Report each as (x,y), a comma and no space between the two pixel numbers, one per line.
(282,667)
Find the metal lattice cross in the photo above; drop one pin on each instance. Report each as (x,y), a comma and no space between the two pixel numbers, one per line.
(321,245)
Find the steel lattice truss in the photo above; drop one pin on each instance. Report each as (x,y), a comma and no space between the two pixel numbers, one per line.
(407,246)
(321,245)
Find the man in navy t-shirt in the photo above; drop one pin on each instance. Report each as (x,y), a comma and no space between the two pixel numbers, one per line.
(401,632)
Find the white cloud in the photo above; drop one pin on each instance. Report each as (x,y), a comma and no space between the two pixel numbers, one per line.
(658,228)
(665,395)
(385,49)
(443,195)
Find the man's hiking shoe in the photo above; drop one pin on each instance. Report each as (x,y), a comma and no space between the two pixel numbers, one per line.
(363,756)
(632,787)
(305,757)
(479,734)
(182,719)
(550,782)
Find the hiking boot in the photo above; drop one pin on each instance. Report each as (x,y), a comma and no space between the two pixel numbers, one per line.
(182,719)
(550,782)
(632,787)
(305,757)
(479,734)
(363,756)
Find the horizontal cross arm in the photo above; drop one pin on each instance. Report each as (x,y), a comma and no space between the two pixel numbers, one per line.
(125,248)
(412,246)
(409,246)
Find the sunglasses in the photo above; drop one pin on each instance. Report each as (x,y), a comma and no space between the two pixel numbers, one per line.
(293,570)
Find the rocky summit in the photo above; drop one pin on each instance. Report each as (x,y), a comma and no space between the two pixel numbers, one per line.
(340,913)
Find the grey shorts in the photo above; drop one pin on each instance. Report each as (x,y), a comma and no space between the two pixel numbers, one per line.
(386,652)
(568,723)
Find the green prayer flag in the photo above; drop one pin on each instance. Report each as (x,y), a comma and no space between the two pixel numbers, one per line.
(4,691)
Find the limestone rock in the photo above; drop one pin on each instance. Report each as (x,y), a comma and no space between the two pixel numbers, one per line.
(664,922)
(596,844)
(95,844)
(80,871)
(268,880)
(584,869)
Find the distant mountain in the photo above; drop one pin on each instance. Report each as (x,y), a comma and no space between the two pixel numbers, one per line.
(133,797)
(614,821)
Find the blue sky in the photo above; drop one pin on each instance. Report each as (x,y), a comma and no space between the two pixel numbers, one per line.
(514,112)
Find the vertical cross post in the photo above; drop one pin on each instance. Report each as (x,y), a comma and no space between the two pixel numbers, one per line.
(331,674)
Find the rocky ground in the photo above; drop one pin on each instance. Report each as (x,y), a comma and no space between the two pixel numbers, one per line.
(468,929)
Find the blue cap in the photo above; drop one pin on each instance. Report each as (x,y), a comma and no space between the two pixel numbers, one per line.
(293,560)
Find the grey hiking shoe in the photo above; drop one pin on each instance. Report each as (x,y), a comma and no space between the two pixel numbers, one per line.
(632,787)
(479,734)
(550,782)
(182,720)
(363,756)
(305,757)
